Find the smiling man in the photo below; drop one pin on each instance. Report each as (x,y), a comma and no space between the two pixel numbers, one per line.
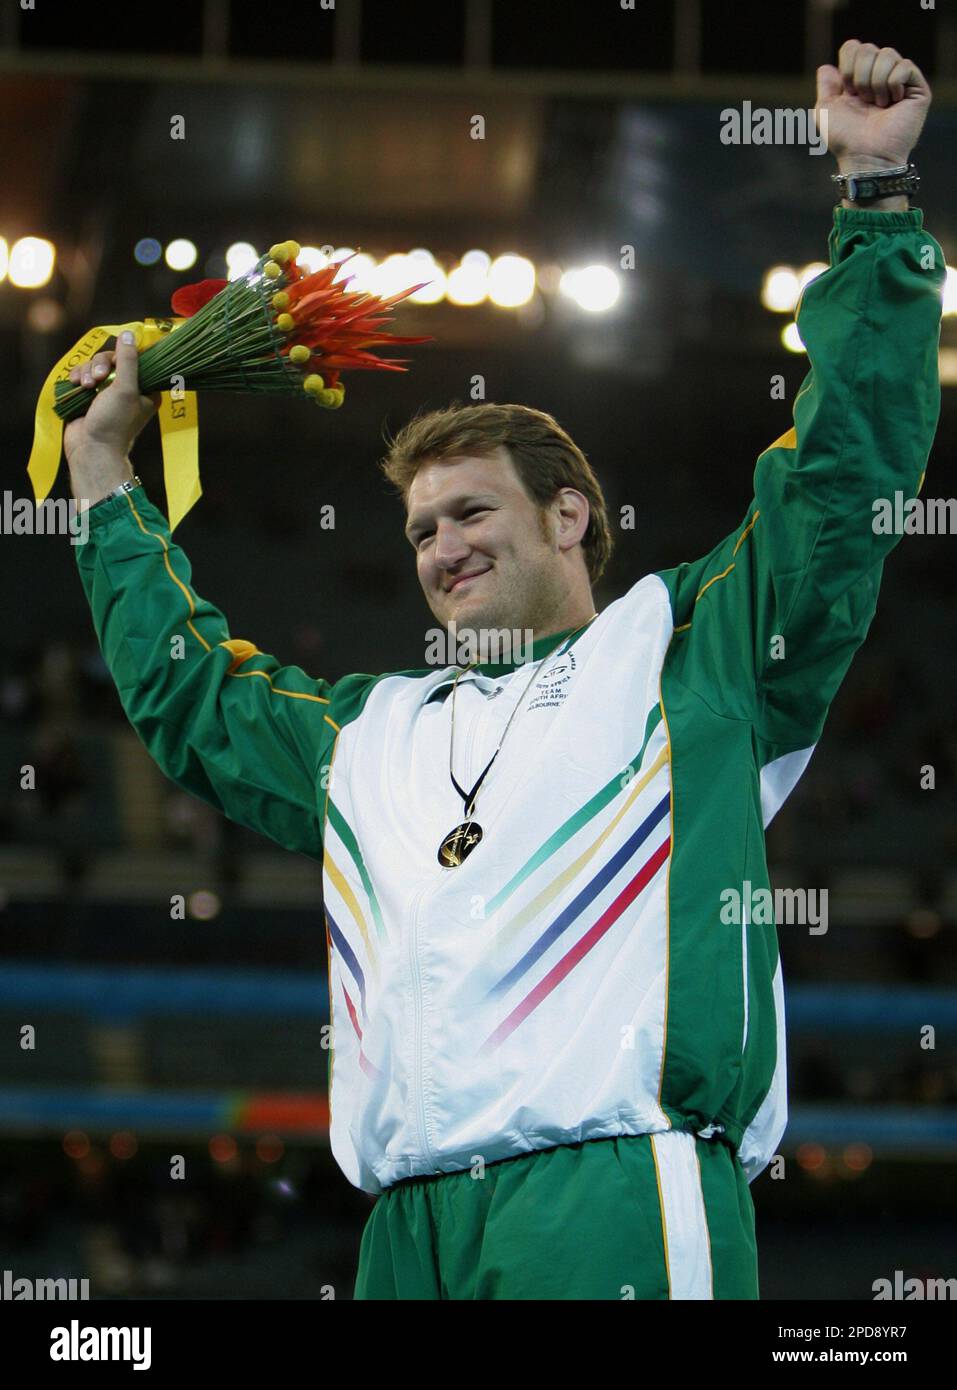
(556,1063)
(489,545)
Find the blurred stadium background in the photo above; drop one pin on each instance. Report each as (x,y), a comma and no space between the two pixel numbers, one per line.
(350,127)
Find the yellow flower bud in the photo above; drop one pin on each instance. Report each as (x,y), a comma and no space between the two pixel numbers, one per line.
(272,270)
(314,384)
(284,251)
(299,354)
(280,300)
(329,398)
(285,322)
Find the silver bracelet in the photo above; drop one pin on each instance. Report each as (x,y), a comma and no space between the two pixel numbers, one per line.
(129,486)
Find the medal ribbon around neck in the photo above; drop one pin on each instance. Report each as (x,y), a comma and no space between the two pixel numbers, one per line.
(459,843)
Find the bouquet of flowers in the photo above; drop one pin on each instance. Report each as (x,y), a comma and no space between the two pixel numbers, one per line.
(277,328)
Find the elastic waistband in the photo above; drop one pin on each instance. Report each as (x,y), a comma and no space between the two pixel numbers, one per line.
(424,1179)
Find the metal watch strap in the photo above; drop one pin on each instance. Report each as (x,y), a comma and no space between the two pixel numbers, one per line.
(130,485)
(867,185)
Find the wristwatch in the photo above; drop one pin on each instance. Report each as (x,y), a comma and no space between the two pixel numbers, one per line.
(130,485)
(867,185)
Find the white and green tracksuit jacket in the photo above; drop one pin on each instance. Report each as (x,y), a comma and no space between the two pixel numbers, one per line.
(573,978)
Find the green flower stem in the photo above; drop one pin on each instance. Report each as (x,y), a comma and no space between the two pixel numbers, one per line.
(230,344)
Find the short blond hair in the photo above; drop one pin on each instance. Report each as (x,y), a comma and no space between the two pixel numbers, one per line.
(544,456)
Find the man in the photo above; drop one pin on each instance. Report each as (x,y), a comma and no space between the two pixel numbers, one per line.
(555,1059)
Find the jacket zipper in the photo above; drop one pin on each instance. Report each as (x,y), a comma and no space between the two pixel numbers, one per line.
(414,970)
(418,1087)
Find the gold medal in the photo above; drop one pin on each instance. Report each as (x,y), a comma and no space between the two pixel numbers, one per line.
(459,844)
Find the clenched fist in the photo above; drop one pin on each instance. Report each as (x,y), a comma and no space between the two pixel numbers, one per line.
(876,104)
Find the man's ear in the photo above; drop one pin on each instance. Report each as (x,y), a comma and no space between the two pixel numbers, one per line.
(573,513)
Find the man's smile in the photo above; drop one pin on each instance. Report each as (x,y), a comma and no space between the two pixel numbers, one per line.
(465,579)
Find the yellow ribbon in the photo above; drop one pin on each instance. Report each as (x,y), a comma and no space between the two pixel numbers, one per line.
(178,421)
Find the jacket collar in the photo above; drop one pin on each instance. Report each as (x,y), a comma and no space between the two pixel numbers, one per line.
(488,671)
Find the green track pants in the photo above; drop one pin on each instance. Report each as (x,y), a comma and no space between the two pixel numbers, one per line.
(635,1217)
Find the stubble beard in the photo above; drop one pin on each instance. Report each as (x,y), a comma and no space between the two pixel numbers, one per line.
(525,608)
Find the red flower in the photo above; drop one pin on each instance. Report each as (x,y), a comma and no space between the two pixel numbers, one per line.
(338,323)
(188,299)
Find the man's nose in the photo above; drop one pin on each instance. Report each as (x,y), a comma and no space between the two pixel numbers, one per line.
(450,545)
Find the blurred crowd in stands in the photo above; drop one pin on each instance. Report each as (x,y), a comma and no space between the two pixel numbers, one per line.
(231,1229)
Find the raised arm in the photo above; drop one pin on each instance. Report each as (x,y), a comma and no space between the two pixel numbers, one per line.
(768,622)
(223,720)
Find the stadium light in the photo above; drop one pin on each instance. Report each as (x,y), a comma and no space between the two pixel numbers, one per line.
(391,275)
(467,283)
(425,267)
(780,289)
(147,251)
(362,270)
(311,259)
(511,281)
(811,272)
(594,288)
(240,257)
(950,291)
(31,262)
(791,338)
(342,253)
(203,905)
(181,254)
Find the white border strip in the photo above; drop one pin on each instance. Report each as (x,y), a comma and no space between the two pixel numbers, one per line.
(684,1223)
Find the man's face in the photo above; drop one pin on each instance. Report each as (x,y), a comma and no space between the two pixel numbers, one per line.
(485,555)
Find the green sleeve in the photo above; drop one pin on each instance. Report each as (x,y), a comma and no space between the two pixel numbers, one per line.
(223,720)
(766,625)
